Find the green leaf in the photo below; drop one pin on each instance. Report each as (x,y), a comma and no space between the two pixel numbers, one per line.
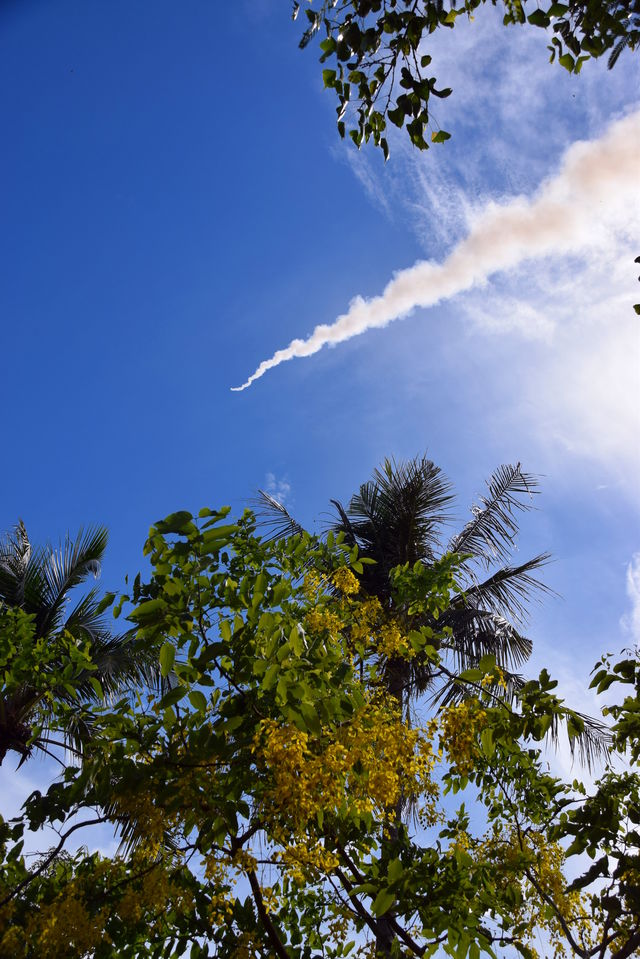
(167,657)
(383,902)
(218,532)
(296,641)
(172,697)
(148,610)
(311,719)
(105,602)
(329,78)
(557,9)
(270,676)
(567,61)
(575,726)
(486,738)
(175,522)
(471,675)
(538,18)
(487,664)
(198,700)
(440,136)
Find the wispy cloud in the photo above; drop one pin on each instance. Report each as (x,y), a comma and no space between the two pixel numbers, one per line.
(631,620)
(279,489)
(571,212)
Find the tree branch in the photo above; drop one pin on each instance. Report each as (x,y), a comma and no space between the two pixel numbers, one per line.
(269,928)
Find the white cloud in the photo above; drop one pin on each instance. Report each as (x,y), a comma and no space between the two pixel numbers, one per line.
(503,313)
(280,489)
(578,393)
(631,620)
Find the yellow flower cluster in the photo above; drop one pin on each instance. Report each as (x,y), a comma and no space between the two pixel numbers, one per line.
(630,883)
(305,863)
(460,726)
(245,947)
(220,908)
(149,820)
(313,582)
(373,760)
(366,616)
(269,898)
(12,942)
(339,925)
(222,901)
(67,927)
(494,678)
(545,860)
(392,643)
(244,861)
(346,581)
(321,620)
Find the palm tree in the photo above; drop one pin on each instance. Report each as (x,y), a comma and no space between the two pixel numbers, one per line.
(400,516)
(39,581)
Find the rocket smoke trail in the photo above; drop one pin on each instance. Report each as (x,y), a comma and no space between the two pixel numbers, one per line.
(558,218)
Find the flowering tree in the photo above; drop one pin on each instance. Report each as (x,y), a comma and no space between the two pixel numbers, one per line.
(256,792)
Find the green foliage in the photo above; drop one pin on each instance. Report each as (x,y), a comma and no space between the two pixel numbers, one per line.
(57,655)
(43,680)
(255,789)
(379,67)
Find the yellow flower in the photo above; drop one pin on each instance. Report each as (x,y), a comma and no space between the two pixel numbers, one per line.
(345,581)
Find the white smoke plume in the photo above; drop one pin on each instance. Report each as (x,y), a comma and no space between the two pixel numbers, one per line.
(595,177)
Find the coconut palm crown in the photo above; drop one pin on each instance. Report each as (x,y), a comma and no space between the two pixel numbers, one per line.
(40,582)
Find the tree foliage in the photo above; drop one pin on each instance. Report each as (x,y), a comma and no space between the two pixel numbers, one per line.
(255,791)
(400,515)
(378,62)
(46,636)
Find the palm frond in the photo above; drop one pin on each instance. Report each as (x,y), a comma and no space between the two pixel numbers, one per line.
(343,523)
(395,518)
(274,518)
(85,620)
(412,503)
(480,632)
(123,664)
(21,580)
(40,581)
(489,535)
(69,566)
(591,746)
(509,590)
(451,692)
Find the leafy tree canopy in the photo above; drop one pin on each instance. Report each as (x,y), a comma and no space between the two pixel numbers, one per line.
(378,63)
(57,636)
(254,792)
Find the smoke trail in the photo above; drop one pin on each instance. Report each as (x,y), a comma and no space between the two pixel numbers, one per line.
(560,217)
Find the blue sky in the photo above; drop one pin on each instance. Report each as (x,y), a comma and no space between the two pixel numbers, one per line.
(177,206)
